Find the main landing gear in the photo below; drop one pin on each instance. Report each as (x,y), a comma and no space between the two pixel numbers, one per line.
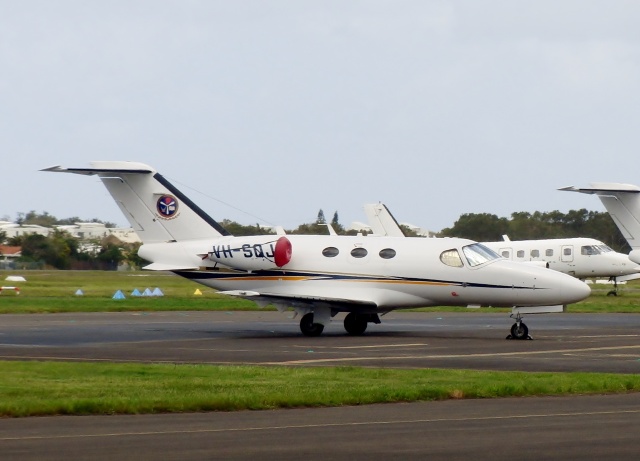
(355,324)
(613,292)
(308,328)
(519,330)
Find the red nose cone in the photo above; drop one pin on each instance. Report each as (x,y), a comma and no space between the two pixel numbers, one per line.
(282,254)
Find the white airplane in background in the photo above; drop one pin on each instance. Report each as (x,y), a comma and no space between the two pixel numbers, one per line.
(322,275)
(579,257)
(622,201)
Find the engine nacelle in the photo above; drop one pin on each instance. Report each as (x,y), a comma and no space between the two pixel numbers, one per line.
(635,256)
(252,254)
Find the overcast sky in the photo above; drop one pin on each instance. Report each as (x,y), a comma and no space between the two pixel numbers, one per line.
(267,111)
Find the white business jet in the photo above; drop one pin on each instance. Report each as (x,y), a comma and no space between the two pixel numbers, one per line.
(320,276)
(622,201)
(579,257)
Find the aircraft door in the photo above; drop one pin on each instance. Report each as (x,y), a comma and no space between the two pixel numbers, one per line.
(567,253)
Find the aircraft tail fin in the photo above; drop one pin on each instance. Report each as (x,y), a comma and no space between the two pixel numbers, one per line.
(622,201)
(154,207)
(382,221)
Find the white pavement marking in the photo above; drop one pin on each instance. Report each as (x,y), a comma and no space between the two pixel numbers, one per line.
(454,356)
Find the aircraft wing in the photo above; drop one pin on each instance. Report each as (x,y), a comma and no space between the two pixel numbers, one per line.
(284,301)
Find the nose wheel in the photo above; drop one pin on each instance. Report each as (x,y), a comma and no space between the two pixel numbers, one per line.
(519,330)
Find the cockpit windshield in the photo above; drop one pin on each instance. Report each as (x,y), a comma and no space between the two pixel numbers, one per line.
(477,254)
(590,250)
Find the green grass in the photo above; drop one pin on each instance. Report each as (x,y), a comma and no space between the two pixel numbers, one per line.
(54,388)
(51,388)
(54,291)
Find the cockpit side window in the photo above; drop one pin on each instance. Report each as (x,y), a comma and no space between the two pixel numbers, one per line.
(451,258)
(477,254)
(590,250)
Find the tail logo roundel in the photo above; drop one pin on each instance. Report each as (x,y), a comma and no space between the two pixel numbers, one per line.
(167,206)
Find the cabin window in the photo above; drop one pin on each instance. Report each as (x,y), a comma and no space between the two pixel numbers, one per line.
(520,254)
(477,254)
(548,252)
(387,253)
(566,252)
(330,252)
(535,253)
(359,252)
(505,254)
(451,258)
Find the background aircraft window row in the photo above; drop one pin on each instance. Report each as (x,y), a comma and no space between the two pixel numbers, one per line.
(548,253)
(520,254)
(535,253)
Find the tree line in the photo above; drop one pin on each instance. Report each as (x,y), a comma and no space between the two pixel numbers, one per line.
(485,227)
(62,251)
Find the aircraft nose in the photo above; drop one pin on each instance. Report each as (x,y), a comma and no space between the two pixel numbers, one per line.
(574,290)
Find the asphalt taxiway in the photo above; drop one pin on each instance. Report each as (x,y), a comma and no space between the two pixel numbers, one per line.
(549,428)
(576,427)
(562,342)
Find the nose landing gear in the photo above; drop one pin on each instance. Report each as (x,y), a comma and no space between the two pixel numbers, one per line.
(613,292)
(519,330)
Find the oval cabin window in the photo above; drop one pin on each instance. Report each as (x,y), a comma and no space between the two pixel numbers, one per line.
(359,252)
(387,253)
(330,252)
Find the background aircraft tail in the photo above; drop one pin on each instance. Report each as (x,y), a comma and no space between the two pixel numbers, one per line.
(382,221)
(622,201)
(156,209)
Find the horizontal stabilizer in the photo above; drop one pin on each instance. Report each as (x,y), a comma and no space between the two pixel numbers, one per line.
(622,201)
(114,167)
(602,188)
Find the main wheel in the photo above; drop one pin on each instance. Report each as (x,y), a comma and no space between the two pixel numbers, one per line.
(355,324)
(519,331)
(308,328)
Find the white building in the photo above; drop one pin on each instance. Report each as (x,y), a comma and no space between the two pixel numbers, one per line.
(16,230)
(80,230)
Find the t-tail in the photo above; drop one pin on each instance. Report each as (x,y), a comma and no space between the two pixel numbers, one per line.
(157,211)
(622,201)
